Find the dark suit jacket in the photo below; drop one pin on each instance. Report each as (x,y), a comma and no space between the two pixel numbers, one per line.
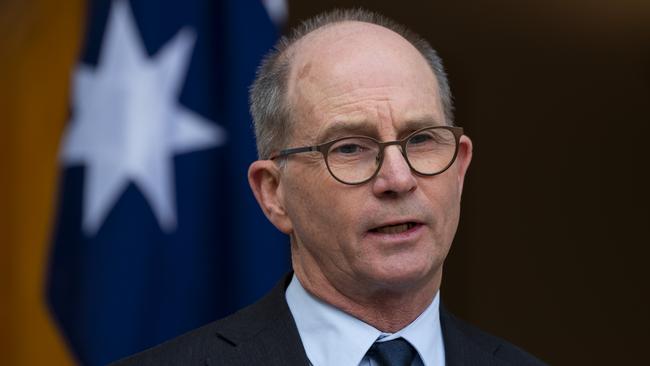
(266,334)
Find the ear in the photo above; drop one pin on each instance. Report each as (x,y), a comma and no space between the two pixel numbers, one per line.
(264,179)
(463,159)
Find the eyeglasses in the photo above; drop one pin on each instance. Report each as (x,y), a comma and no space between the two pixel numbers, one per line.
(357,159)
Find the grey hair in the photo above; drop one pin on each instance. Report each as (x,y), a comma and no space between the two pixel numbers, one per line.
(268,94)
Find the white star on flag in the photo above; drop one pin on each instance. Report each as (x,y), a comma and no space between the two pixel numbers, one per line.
(278,10)
(127,122)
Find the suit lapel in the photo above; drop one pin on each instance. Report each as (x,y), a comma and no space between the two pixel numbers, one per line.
(265,332)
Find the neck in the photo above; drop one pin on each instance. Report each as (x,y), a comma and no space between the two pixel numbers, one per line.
(387,308)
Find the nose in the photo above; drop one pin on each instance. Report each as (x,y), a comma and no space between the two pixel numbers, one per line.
(395,176)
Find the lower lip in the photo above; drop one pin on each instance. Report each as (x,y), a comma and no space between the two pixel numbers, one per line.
(409,234)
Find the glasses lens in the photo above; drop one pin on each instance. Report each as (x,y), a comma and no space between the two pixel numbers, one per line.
(353,160)
(431,151)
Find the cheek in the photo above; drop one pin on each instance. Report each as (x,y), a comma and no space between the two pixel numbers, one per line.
(322,215)
(445,202)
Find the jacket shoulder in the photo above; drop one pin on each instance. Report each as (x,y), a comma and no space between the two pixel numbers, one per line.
(263,332)
(458,332)
(189,348)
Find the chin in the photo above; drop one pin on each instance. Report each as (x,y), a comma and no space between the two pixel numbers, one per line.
(401,276)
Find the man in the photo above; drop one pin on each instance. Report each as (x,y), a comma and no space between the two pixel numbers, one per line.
(361,167)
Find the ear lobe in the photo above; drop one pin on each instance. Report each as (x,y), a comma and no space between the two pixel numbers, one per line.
(463,159)
(264,179)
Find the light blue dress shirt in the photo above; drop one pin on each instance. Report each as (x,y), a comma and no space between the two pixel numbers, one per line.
(332,337)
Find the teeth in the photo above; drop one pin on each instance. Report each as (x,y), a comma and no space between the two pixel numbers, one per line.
(395,229)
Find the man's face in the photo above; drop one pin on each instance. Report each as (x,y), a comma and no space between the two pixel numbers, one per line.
(393,232)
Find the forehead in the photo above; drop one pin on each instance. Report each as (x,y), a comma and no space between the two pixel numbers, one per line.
(360,73)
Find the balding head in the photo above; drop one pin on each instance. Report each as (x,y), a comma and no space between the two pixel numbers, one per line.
(344,66)
(332,37)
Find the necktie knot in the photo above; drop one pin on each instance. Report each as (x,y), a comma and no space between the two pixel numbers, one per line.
(397,352)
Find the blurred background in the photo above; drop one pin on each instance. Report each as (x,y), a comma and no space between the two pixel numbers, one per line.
(552,247)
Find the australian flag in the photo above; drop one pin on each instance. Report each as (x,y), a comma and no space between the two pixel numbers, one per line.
(157,231)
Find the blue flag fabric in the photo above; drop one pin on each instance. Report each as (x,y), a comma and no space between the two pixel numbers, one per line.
(157,231)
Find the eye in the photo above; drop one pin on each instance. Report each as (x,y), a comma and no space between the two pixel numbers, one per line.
(353,147)
(421,138)
(348,148)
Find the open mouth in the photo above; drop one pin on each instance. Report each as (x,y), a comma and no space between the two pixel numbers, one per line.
(394,229)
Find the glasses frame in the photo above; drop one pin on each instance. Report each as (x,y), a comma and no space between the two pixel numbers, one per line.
(324,150)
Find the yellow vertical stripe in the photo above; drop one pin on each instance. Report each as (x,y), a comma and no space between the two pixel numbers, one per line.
(39,43)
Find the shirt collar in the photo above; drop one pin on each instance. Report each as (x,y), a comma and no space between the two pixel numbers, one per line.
(333,337)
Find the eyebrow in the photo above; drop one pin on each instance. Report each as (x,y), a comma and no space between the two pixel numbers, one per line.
(347,128)
(366,128)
